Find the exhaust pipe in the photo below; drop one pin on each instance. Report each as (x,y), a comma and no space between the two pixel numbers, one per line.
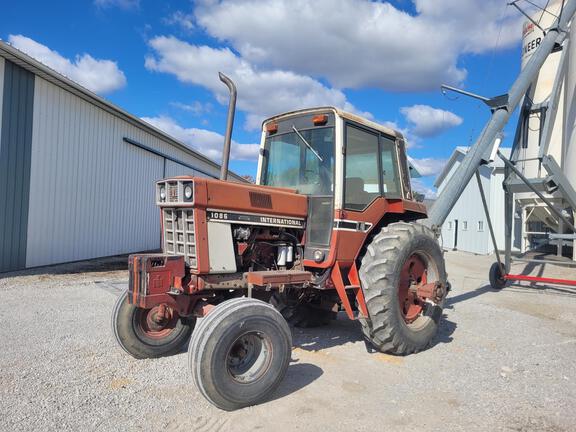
(229,125)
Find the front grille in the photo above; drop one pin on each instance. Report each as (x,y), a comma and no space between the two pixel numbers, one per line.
(179,235)
(172,192)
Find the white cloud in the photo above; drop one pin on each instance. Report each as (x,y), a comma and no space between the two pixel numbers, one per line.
(261,93)
(428,166)
(100,76)
(409,139)
(426,121)
(419,186)
(195,107)
(207,142)
(362,43)
(122,4)
(182,20)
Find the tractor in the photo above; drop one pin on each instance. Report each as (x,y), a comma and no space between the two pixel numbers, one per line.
(331,224)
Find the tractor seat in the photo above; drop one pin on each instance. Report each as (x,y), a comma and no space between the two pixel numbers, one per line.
(355,193)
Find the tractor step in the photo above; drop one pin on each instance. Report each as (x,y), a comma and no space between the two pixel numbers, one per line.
(275,278)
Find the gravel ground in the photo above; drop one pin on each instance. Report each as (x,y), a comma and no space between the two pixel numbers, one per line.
(502,361)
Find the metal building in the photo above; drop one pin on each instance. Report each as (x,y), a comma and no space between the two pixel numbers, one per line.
(466,228)
(77,172)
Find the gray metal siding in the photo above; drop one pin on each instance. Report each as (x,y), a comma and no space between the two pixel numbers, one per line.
(1,95)
(175,169)
(15,148)
(91,193)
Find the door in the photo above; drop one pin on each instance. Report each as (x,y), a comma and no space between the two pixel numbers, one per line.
(455,247)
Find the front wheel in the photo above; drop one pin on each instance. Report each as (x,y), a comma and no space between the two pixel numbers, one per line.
(496,277)
(404,282)
(239,353)
(149,333)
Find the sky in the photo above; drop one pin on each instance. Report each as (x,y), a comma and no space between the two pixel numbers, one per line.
(386,61)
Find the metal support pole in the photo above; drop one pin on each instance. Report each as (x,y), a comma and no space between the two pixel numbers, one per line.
(560,241)
(487,213)
(229,125)
(525,215)
(500,117)
(509,223)
(542,197)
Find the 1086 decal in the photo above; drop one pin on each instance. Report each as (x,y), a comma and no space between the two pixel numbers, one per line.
(250,219)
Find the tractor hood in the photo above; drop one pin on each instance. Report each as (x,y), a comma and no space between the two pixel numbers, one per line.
(283,205)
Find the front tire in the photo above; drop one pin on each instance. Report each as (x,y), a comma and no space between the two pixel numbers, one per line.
(400,259)
(239,353)
(141,334)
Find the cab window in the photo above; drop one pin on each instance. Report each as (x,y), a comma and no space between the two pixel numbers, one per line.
(389,162)
(362,184)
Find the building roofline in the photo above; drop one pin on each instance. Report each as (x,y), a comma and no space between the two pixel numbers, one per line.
(40,69)
(448,165)
(461,150)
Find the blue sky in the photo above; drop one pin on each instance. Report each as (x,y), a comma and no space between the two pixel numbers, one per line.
(386,60)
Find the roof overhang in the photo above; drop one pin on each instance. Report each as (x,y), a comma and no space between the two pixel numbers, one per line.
(40,69)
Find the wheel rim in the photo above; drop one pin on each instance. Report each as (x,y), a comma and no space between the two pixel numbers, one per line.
(413,275)
(249,357)
(158,322)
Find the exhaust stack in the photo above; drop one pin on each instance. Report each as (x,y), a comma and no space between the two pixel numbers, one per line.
(229,125)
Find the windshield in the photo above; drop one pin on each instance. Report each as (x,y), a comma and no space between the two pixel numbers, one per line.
(301,160)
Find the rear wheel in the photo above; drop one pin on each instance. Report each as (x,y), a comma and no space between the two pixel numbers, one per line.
(404,282)
(300,313)
(148,333)
(496,276)
(239,353)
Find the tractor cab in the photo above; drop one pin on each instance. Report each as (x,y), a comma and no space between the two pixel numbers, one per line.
(347,166)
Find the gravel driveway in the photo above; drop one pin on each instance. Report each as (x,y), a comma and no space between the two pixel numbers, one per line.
(502,361)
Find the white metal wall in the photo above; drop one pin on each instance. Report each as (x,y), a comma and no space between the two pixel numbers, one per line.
(469,209)
(497,204)
(91,193)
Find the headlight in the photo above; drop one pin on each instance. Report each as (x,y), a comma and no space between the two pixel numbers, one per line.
(188,192)
(162,193)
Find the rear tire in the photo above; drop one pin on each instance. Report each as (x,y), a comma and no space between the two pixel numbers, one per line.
(300,314)
(239,353)
(496,276)
(401,256)
(141,336)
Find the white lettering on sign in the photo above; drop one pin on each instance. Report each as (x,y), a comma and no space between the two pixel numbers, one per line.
(279,221)
(222,216)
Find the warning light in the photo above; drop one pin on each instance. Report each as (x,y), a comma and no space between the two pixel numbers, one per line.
(320,120)
(272,128)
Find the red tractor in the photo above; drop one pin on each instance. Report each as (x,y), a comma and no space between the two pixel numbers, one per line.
(330,225)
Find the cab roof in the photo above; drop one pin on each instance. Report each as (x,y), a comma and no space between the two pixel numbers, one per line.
(344,114)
